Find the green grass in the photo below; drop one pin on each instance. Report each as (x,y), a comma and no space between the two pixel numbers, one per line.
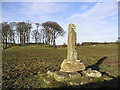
(21,64)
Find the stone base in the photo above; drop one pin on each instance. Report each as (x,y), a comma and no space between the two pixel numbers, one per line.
(62,76)
(92,73)
(72,66)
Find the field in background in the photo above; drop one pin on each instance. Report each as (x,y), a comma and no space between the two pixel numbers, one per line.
(26,66)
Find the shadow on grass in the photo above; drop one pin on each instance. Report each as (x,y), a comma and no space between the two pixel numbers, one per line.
(113,83)
(96,67)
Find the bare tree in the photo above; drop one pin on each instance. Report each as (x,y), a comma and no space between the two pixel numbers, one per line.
(23,30)
(5,29)
(20,27)
(28,27)
(47,31)
(12,32)
(57,31)
(42,35)
(47,34)
(53,30)
(37,25)
(35,34)
(10,35)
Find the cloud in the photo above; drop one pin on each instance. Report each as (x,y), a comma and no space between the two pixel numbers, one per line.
(41,10)
(45,8)
(35,11)
(98,12)
(83,7)
(95,23)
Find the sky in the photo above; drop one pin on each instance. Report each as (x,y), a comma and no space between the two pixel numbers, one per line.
(95,21)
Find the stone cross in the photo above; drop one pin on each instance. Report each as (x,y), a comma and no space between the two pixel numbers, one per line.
(72,64)
(71,53)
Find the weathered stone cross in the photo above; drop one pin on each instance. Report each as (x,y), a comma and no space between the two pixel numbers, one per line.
(71,42)
(72,64)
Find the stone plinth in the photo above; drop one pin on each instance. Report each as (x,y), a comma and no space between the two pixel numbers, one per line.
(92,73)
(63,76)
(72,64)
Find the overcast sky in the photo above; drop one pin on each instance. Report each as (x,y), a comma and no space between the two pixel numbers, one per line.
(95,21)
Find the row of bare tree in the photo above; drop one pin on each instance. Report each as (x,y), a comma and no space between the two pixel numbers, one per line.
(21,32)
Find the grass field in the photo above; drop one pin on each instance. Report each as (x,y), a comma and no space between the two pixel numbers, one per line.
(26,66)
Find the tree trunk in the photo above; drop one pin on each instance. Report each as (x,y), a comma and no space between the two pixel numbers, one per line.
(40,38)
(3,44)
(13,40)
(54,42)
(6,43)
(54,39)
(48,38)
(43,39)
(21,39)
(24,39)
(37,35)
(36,40)
(28,38)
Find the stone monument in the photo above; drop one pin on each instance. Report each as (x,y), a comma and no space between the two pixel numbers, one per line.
(72,64)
